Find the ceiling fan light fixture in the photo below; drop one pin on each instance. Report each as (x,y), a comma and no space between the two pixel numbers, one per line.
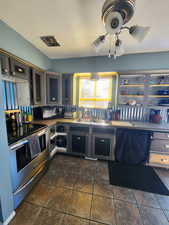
(115,14)
(98,43)
(139,32)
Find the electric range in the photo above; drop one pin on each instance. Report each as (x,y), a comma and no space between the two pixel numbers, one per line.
(23,131)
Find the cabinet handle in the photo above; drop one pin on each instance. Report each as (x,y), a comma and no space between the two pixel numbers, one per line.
(20,70)
(6,70)
(164,160)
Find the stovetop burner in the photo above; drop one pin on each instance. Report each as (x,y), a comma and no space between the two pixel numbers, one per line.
(18,133)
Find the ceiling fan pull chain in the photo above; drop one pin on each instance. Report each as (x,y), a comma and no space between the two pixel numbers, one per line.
(109,55)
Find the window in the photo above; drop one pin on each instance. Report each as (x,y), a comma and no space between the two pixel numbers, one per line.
(95,93)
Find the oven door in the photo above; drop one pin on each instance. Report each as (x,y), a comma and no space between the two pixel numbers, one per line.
(22,166)
(22,191)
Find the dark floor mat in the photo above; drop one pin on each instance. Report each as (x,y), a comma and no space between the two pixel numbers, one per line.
(142,178)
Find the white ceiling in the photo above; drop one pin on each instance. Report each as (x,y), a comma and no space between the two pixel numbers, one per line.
(76,23)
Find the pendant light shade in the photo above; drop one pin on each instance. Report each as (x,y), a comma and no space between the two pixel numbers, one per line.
(98,43)
(139,32)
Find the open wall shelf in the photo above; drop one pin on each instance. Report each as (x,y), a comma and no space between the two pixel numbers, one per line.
(145,89)
(132,85)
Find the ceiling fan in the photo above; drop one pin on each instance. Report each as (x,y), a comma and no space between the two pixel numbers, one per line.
(115,14)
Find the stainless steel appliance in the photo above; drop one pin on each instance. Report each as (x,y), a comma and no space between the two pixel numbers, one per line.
(25,169)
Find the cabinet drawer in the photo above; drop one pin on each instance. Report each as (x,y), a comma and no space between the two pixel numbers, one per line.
(158,135)
(99,130)
(160,146)
(159,159)
(79,128)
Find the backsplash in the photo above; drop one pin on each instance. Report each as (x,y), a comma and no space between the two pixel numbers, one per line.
(119,112)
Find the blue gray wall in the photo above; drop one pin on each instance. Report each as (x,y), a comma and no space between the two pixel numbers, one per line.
(14,43)
(6,199)
(149,61)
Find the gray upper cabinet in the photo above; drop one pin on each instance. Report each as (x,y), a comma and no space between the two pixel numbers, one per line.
(4,59)
(53,88)
(67,89)
(18,69)
(38,87)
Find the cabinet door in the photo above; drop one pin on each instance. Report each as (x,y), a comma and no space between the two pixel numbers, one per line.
(67,89)
(4,64)
(38,87)
(19,70)
(53,89)
(78,143)
(103,146)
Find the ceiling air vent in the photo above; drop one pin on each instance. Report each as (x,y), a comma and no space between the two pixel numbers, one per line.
(50,41)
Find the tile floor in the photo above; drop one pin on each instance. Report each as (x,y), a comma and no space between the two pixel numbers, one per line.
(75,191)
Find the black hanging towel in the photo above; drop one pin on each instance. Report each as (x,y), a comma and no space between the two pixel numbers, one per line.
(132,146)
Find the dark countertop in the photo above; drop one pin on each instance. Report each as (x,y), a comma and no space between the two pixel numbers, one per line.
(117,124)
(24,131)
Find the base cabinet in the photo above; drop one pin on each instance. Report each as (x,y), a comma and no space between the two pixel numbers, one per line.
(103,146)
(78,143)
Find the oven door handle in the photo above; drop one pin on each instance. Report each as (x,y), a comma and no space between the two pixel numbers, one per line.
(25,185)
(16,146)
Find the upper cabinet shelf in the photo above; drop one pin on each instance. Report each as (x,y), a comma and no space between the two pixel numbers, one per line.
(134,96)
(132,85)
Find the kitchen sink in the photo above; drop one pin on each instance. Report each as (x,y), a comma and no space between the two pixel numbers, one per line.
(105,123)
